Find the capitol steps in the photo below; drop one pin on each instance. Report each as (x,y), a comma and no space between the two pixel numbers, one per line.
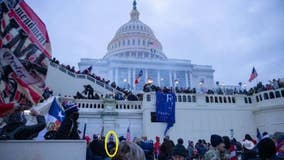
(66,83)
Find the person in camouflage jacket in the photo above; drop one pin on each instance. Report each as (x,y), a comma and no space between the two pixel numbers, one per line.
(217,146)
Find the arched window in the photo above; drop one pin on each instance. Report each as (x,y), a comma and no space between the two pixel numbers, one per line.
(184,98)
(265,95)
(220,100)
(189,98)
(225,99)
(233,100)
(216,99)
(260,97)
(249,99)
(277,94)
(148,97)
(207,99)
(179,98)
(271,95)
(193,99)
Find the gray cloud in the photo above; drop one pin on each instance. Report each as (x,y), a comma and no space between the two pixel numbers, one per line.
(230,35)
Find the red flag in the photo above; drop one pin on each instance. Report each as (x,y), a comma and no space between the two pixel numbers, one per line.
(253,75)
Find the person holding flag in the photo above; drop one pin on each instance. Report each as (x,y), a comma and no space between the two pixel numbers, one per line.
(69,126)
(24,56)
(16,128)
(54,119)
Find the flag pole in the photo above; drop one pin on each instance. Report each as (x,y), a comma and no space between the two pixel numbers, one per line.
(84,132)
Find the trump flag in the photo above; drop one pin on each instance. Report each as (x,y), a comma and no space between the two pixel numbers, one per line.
(165,109)
(24,54)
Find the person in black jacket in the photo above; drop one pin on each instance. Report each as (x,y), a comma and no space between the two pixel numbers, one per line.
(69,126)
(16,128)
(96,150)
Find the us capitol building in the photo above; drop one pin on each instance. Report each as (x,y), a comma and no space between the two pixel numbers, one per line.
(135,48)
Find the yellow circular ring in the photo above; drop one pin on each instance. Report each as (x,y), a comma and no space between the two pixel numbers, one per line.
(116,143)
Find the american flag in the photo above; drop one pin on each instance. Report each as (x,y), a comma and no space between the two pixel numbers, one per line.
(128,138)
(140,74)
(253,74)
(88,70)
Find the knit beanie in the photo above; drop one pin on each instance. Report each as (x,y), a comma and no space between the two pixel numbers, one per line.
(69,107)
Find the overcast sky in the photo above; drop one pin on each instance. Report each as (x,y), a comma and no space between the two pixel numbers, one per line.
(231,35)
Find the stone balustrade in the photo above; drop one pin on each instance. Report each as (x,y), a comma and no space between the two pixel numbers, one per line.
(43,150)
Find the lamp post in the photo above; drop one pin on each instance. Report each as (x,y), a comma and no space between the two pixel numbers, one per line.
(125,83)
(150,81)
(161,82)
(223,87)
(176,85)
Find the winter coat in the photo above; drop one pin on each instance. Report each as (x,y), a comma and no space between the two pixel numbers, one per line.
(68,129)
(19,131)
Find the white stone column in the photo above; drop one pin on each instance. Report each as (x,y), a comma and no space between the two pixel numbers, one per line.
(159,78)
(190,80)
(175,75)
(186,79)
(128,77)
(116,76)
(133,79)
(110,74)
(171,79)
(146,75)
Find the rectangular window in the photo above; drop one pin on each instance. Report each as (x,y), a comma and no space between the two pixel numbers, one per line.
(153,117)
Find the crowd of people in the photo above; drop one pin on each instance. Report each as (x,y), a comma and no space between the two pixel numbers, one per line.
(219,148)
(89,93)
(272,85)
(149,87)
(219,90)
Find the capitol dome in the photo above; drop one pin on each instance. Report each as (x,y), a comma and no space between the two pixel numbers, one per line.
(135,40)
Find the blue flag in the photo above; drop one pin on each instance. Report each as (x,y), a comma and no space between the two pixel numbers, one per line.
(56,111)
(165,109)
